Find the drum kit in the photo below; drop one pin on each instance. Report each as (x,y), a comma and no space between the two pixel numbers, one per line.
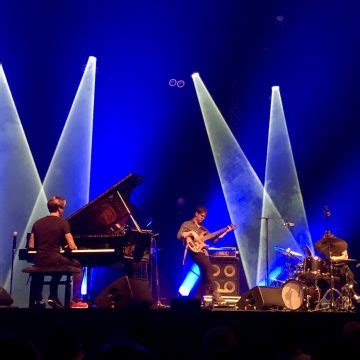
(318,284)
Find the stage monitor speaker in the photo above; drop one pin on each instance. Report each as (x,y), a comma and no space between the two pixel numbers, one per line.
(226,275)
(124,293)
(5,298)
(261,298)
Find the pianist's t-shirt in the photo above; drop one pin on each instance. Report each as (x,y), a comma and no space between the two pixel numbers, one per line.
(49,233)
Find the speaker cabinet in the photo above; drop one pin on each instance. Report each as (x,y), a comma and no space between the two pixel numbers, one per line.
(5,298)
(261,298)
(124,293)
(226,275)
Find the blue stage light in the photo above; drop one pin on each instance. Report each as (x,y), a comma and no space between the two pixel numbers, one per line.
(69,171)
(190,281)
(19,179)
(282,189)
(243,191)
(273,277)
(84,282)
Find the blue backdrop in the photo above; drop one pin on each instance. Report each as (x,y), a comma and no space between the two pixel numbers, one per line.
(241,49)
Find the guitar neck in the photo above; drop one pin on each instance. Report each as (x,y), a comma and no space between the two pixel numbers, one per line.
(214,234)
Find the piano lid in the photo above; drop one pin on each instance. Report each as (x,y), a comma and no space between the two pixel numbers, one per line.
(106,214)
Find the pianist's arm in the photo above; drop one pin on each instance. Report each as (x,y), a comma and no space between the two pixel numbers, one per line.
(70,241)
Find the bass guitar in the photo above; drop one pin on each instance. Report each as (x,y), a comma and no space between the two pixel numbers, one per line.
(198,244)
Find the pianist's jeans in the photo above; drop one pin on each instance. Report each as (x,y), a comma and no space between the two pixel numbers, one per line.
(55,259)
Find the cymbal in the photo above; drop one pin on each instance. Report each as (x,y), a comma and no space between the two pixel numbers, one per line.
(288,252)
(335,244)
(344,261)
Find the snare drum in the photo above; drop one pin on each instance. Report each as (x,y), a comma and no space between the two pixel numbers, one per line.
(314,268)
(296,295)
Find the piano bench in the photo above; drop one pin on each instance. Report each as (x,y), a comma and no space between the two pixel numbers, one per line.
(68,271)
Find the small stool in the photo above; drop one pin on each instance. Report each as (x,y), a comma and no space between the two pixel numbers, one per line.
(68,271)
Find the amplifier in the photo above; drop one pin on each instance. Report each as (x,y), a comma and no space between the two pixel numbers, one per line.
(226,274)
(223,252)
(230,302)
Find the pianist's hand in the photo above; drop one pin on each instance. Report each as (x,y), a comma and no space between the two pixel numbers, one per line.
(70,241)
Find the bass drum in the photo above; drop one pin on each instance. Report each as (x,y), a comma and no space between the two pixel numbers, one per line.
(297,295)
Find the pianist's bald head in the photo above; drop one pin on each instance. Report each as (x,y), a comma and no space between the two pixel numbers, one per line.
(56,203)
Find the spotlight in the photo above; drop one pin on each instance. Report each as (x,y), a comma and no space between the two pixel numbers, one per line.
(76,134)
(180,83)
(281,184)
(195,74)
(242,188)
(191,279)
(172,82)
(92,59)
(18,175)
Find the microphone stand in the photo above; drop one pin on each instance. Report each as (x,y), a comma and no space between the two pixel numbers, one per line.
(154,262)
(331,276)
(287,224)
(327,215)
(267,248)
(12,260)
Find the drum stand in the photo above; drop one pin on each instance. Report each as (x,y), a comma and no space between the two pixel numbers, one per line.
(326,245)
(348,293)
(286,269)
(331,291)
(332,304)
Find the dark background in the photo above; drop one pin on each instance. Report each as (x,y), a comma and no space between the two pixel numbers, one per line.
(240,48)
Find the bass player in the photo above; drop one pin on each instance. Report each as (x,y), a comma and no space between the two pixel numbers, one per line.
(193,233)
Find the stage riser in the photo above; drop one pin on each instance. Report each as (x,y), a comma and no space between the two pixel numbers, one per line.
(164,330)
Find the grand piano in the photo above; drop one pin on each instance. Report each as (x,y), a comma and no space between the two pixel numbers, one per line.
(105,231)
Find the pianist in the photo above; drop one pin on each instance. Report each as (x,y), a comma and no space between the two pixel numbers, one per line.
(47,236)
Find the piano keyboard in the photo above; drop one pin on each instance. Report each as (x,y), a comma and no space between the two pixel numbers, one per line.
(80,251)
(90,257)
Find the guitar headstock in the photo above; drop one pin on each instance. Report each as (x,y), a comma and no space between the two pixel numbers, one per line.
(232,227)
